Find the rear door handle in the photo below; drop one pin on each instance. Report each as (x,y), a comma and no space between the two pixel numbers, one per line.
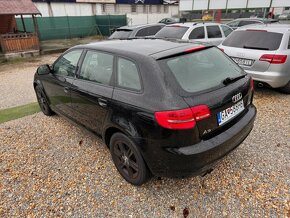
(102,102)
(66,89)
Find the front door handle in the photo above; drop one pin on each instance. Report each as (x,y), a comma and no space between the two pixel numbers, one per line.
(102,102)
(66,89)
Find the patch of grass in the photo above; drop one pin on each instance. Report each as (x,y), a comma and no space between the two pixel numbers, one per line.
(18,112)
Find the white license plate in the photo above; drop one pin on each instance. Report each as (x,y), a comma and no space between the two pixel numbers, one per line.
(230,112)
(242,61)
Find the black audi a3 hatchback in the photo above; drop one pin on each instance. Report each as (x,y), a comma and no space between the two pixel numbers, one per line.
(163,107)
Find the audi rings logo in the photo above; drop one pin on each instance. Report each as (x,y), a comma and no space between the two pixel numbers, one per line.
(237,97)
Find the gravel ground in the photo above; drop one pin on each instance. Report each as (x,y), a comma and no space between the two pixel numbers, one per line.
(51,168)
(16,80)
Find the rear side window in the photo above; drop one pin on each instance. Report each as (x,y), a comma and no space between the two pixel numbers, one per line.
(197,33)
(121,34)
(213,32)
(97,67)
(289,43)
(226,30)
(201,70)
(148,31)
(254,40)
(174,32)
(128,76)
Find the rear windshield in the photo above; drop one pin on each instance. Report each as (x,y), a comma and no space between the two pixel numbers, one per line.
(254,40)
(174,32)
(202,70)
(121,34)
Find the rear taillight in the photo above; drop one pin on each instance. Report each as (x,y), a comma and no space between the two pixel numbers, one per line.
(182,119)
(222,49)
(274,59)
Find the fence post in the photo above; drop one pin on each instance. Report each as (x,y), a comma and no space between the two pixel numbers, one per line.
(68,26)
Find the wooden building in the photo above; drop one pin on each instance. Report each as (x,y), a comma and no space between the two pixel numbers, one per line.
(12,40)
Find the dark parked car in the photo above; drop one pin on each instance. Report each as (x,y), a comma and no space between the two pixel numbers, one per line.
(138,31)
(163,107)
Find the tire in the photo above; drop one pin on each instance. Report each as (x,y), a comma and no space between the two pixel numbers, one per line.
(42,101)
(286,89)
(128,160)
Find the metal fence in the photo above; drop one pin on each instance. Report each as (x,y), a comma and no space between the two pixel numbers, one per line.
(73,26)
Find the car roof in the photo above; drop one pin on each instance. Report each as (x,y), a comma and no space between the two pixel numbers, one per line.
(279,28)
(147,47)
(140,26)
(192,24)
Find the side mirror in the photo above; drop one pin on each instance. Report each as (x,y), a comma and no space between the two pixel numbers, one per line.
(43,69)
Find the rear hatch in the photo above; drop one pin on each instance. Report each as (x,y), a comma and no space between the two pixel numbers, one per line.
(252,48)
(209,78)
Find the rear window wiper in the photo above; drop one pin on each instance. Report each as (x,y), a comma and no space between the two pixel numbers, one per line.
(253,47)
(229,80)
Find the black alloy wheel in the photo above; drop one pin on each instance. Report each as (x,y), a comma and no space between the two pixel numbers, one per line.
(43,104)
(128,159)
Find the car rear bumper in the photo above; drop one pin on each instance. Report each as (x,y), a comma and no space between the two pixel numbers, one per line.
(199,158)
(274,79)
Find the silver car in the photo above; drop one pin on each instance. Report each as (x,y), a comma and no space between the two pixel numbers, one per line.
(263,51)
(213,33)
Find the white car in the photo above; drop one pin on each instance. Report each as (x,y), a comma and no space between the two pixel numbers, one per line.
(263,51)
(213,33)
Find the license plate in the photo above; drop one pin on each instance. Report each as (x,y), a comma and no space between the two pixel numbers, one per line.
(242,61)
(230,112)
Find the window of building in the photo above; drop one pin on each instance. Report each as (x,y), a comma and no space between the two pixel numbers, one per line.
(145,9)
(97,67)
(128,76)
(166,8)
(66,65)
(133,8)
(103,8)
(213,32)
(197,33)
(158,9)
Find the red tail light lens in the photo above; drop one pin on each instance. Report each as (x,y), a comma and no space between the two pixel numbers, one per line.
(222,49)
(274,59)
(182,119)
(200,112)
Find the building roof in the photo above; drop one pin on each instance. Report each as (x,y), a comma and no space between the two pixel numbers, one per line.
(17,7)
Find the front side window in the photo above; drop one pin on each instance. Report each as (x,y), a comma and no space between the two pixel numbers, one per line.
(213,32)
(67,64)
(173,32)
(97,67)
(226,30)
(128,76)
(197,33)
